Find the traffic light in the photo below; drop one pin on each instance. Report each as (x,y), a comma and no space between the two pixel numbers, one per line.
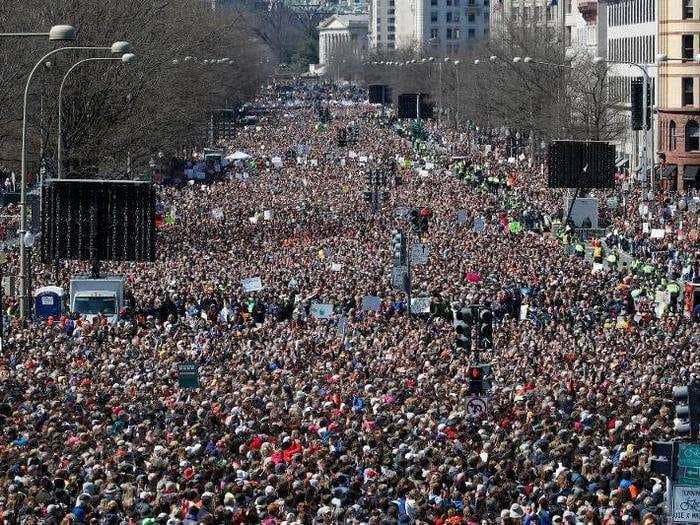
(663,458)
(485,339)
(476,380)
(398,244)
(687,400)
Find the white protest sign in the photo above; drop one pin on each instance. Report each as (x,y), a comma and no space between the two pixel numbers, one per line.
(461,217)
(487,148)
(523,311)
(420,305)
(419,254)
(336,267)
(429,165)
(362,159)
(662,297)
(645,227)
(352,154)
(597,267)
(217,213)
(322,310)
(277,162)
(252,284)
(658,233)
(267,215)
(685,504)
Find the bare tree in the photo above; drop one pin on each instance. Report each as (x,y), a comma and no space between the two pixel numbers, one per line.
(115,111)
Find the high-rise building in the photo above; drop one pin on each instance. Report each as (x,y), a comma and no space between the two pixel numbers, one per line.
(631,37)
(382,24)
(679,93)
(435,26)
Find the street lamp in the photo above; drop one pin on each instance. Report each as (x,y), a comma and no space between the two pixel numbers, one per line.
(27,242)
(529,60)
(59,33)
(647,162)
(126,58)
(24,269)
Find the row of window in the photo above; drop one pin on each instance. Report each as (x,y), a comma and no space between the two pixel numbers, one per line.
(535,12)
(639,49)
(456,3)
(453,17)
(633,12)
(692,136)
(454,33)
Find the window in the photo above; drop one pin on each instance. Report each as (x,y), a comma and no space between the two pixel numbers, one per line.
(455,3)
(671,136)
(548,13)
(455,17)
(568,6)
(487,3)
(687,47)
(486,32)
(448,17)
(391,29)
(448,3)
(391,36)
(487,16)
(471,33)
(515,12)
(471,2)
(526,13)
(433,3)
(688,95)
(391,11)
(433,16)
(471,18)
(391,20)
(687,9)
(390,45)
(538,13)
(434,33)
(449,33)
(692,136)
(457,34)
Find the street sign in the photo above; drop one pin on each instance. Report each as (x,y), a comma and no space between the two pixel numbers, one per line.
(398,275)
(688,472)
(419,254)
(686,504)
(188,375)
(476,406)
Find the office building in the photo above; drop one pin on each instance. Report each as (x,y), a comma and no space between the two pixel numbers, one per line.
(679,94)
(429,26)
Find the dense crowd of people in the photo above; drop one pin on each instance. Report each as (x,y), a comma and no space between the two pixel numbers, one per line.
(358,416)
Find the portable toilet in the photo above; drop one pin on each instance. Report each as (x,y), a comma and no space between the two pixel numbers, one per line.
(48,300)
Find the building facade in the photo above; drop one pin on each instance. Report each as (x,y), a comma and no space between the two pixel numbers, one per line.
(382,25)
(679,94)
(432,26)
(346,33)
(632,28)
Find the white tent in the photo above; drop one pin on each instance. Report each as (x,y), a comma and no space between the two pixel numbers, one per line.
(239,155)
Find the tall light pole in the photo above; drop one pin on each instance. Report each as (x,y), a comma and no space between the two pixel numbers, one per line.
(126,58)
(24,265)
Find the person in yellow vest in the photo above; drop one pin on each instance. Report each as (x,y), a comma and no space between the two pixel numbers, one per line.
(674,290)
(597,254)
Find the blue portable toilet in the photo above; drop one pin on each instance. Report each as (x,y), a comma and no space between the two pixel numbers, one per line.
(48,300)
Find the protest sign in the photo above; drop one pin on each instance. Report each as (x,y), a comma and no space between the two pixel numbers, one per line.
(252,284)
(322,310)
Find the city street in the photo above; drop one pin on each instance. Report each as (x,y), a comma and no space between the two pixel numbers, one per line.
(315,397)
